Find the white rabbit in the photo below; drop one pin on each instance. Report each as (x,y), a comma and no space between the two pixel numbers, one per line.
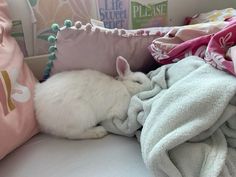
(71,104)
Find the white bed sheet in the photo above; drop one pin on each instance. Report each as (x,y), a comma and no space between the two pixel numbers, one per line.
(46,156)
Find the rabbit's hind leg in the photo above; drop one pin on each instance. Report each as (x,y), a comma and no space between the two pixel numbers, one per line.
(94,132)
(91,133)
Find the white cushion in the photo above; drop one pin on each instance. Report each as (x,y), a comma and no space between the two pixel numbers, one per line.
(46,156)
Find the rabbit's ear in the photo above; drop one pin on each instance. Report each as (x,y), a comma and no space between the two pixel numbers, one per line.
(122,66)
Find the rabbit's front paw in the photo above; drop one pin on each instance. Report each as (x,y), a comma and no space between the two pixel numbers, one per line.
(100,131)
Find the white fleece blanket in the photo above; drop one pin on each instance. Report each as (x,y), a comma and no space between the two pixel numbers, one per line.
(188,121)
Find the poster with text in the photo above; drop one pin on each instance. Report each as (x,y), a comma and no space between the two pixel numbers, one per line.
(144,14)
(114,13)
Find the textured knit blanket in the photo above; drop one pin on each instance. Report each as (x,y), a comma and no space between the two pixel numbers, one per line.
(188,121)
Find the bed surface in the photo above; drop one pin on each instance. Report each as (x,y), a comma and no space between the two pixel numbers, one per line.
(46,156)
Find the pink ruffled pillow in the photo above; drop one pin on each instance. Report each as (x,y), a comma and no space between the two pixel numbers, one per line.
(17,121)
(85,46)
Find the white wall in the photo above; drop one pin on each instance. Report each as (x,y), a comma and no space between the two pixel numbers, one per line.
(179,9)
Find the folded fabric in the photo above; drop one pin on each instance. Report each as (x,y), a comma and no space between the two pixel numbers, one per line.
(190,129)
(163,48)
(212,46)
(215,15)
(188,121)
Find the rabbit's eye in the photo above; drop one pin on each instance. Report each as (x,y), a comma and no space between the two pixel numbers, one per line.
(138,82)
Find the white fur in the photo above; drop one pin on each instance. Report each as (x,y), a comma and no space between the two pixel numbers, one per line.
(71,104)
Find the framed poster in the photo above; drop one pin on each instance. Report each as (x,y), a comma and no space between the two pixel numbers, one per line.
(146,13)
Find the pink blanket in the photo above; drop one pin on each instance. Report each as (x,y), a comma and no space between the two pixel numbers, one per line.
(210,41)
